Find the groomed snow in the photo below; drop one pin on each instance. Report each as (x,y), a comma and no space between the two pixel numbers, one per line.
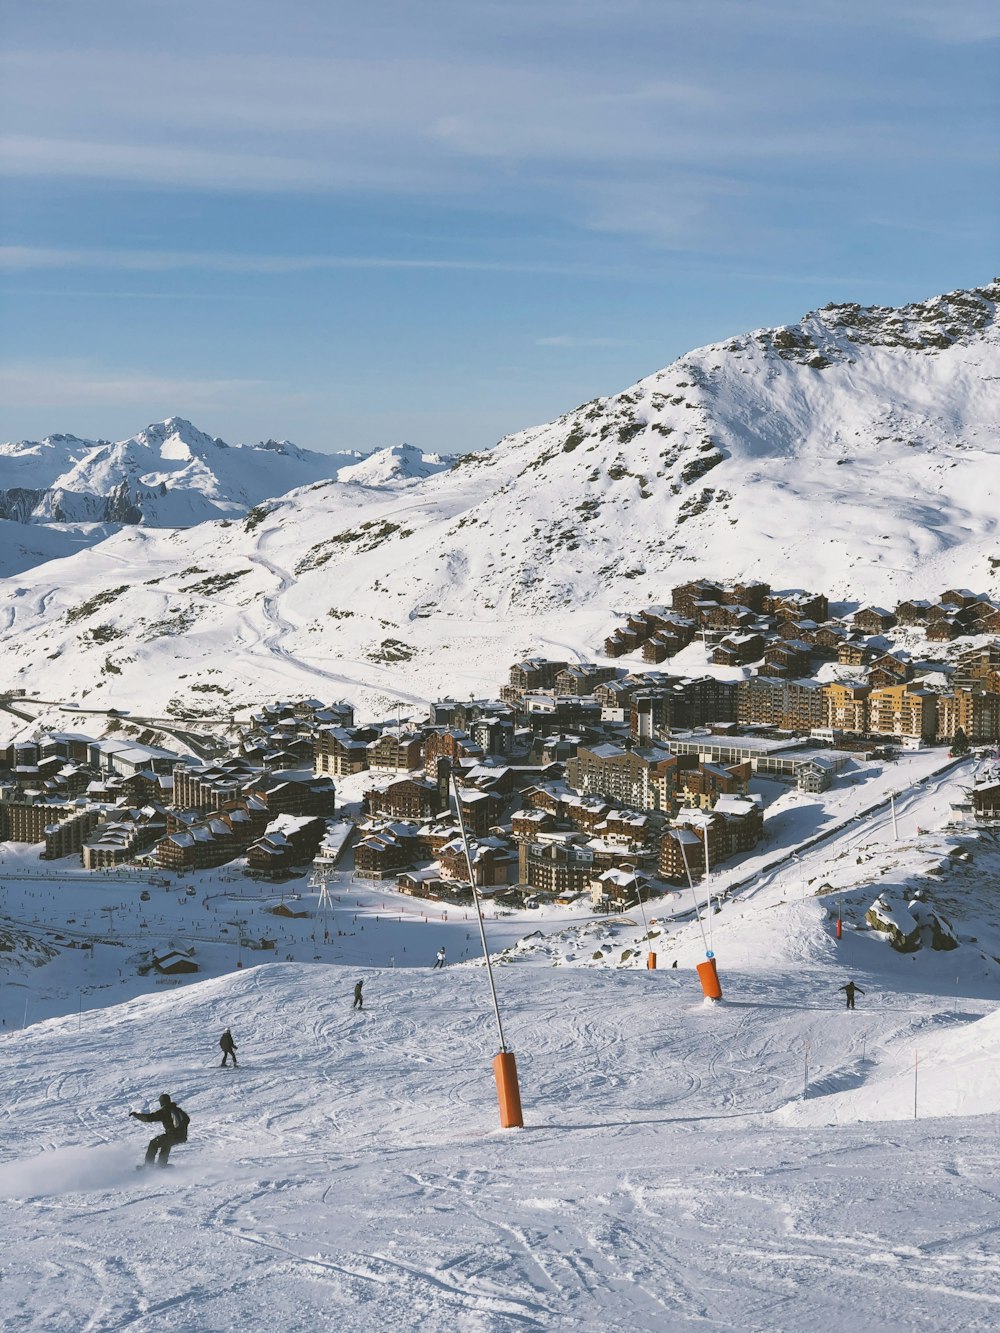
(754,1165)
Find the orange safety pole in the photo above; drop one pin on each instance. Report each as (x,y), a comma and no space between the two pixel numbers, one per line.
(709,977)
(508,1092)
(651,961)
(840,928)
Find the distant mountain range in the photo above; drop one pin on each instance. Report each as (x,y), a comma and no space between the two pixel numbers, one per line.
(170,475)
(855,452)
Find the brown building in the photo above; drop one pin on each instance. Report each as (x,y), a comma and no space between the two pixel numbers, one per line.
(341,751)
(534,673)
(399,751)
(448,743)
(213,841)
(287,794)
(873,620)
(556,865)
(404,798)
(383,853)
(735,825)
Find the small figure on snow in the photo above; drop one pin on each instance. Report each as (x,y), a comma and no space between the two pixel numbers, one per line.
(228,1048)
(358,999)
(439,961)
(851,990)
(175,1123)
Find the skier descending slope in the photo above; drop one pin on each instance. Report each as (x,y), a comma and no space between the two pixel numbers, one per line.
(851,990)
(228,1047)
(175,1123)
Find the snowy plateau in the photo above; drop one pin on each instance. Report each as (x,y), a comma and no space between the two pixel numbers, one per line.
(766,1163)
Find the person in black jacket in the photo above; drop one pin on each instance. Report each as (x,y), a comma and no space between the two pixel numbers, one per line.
(175,1123)
(851,990)
(358,1001)
(228,1047)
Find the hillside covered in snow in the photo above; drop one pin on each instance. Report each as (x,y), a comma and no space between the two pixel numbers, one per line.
(854,453)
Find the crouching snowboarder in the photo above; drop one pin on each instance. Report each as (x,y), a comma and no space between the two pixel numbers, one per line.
(228,1047)
(175,1123)
(851,991)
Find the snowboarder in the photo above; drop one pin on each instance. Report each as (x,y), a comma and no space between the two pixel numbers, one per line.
(439,961)
(851,990)
(175,1123)
(358,1000)
(228,1048)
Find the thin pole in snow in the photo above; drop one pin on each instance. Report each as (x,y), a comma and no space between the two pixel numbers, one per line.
(694,896)
(708,889)
(479,911)
(805,1069)
(895,826)
(916,1066)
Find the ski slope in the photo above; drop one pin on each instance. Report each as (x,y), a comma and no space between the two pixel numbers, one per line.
(763,1164)
(350,1173)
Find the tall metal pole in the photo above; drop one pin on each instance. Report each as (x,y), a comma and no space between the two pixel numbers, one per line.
(479,911)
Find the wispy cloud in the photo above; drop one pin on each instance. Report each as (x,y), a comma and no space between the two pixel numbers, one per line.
(573,340)
(26,258)
(59,385)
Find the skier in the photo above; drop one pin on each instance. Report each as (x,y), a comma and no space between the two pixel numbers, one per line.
(175,1123)
(439,961)
(228,1048)
(851,990)
(358,1001)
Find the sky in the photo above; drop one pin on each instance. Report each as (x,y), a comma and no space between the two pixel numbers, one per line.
(352,224)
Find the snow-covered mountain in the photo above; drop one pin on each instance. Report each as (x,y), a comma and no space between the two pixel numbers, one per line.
(169,475)
(854,452)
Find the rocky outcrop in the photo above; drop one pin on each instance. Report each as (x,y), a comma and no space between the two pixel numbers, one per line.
(912,926)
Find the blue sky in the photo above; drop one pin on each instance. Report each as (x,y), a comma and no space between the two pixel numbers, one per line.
(352,224)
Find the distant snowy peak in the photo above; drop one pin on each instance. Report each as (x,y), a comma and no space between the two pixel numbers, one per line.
(171,474)
(399,463)
(176,438)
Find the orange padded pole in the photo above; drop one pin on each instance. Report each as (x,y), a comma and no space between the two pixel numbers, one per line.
(651,961)
(508,1092)
(709,975)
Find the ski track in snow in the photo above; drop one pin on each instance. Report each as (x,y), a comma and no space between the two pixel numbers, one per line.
(280,629)
(350,1174)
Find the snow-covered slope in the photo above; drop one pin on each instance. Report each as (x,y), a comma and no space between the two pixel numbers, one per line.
(764,1164)
(351,1175)
(855,453)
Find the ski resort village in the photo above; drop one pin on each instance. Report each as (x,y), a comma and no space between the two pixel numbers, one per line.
(540,888)
(580,781)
